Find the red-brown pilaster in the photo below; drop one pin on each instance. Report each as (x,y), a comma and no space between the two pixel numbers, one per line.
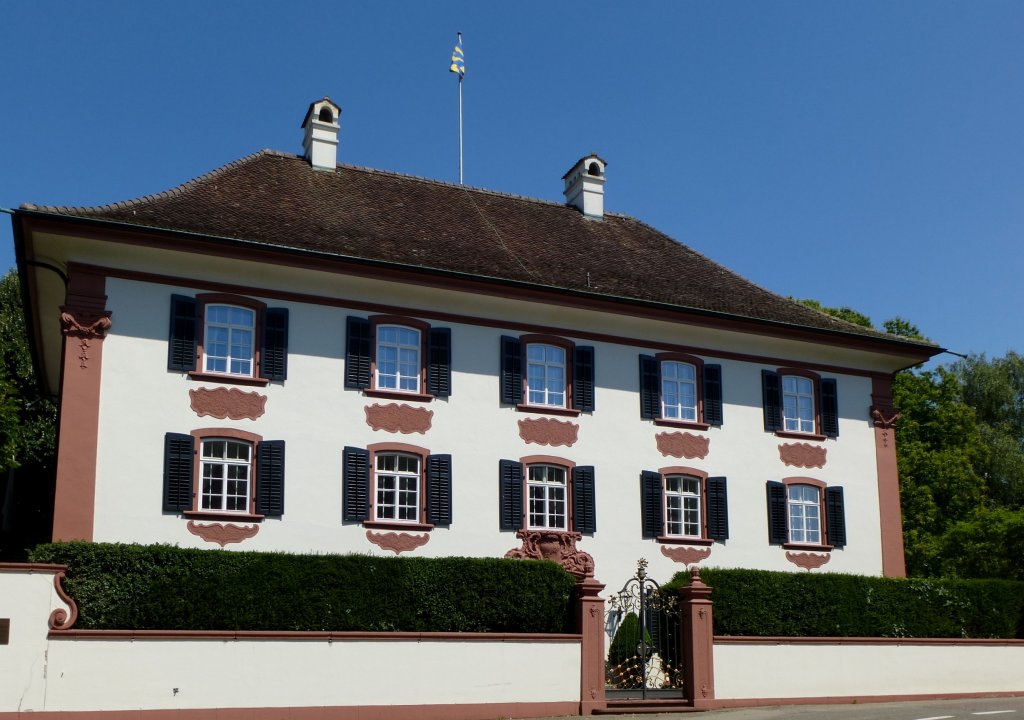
(84,320)
(697,653)
(884,416)
(591,624)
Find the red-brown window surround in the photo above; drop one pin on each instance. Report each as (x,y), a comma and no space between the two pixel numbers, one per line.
(200,373)
(421,494)
(685,539)
(815,378)
(822,513)
(568,345)
(197,474)
(698,367)
(423,328)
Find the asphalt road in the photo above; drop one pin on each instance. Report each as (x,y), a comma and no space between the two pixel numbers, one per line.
(979,709)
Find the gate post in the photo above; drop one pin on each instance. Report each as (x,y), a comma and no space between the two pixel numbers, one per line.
(590,619)
(697,648)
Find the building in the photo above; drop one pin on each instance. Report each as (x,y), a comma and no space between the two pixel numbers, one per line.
(291,354)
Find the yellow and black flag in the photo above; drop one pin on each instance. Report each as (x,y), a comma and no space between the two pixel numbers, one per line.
(458,59)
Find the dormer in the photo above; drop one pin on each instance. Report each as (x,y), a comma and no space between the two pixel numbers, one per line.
(584,186)
(320,139)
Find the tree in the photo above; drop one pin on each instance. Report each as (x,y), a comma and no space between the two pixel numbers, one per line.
(843,313)
(938,447)
(995,389)
(27,417)
(27,434)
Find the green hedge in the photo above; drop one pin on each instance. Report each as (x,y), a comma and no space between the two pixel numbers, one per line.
(162,587)
(759,602)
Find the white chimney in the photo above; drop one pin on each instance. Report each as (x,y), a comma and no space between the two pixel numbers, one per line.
(584,186)
(320,141)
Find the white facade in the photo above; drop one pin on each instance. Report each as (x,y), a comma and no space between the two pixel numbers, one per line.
(317,416)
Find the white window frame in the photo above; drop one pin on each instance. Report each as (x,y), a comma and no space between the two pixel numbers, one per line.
(397,490)
(399,381)
(546,370)
(804,512)
(212,466)
(682,502)
(678,410)
(798,404)
(232,328)
(547,496)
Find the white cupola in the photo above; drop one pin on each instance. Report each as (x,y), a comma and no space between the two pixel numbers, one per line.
(320,139)
(584,186)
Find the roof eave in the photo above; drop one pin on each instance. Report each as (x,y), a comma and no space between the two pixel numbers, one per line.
(897,346)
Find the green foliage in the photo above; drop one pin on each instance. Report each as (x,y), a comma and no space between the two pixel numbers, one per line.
(27,418)
(843,313)
(761,602)
(995,389)
(989,544)
(627,639)
(939,447)
(162,587)
(903,328)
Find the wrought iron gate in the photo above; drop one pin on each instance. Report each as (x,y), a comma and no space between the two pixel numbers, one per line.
(643,625)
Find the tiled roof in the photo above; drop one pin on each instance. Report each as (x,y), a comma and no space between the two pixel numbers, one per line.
(277,199)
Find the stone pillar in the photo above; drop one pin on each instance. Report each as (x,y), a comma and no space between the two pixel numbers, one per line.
(84,320)
(591,626)
(697,651)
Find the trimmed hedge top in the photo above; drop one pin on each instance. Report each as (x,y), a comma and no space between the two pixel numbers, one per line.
(162,587)
(760,602)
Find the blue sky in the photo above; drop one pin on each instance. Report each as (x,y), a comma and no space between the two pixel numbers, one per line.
(868,154)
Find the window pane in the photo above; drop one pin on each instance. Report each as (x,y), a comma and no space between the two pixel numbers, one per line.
(397,480)
(678,391)
(545,374)
(682,505)
(398,358)
(226,471)
(229,339)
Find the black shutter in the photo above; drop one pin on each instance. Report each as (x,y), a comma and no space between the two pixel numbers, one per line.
(355,484)
(584,511)
(583,379)
(713,395)
(181,345)
(179,452)
(835,517)
(653,516)
(274,350)
(439,362)
(772,398)
(270,478)
(358,348)
(511,371)
(510,486)
(778,509)
(829,407)
(439,490)
(650,388)
(718,509)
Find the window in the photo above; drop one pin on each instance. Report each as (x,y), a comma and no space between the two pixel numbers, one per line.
(683,504)
(799,402)
(680,390)
(228,338)
(407,487)
(559,495)
(387,356)
(805,512)
(235,474)
(559,375)
(547,495)
(545,375)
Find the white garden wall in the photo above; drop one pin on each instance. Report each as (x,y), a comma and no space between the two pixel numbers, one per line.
(750,670)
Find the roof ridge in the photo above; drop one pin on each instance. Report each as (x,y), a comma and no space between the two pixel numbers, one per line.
(446,183)
(163,194)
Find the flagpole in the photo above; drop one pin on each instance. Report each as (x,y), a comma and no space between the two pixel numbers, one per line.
(460,130)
